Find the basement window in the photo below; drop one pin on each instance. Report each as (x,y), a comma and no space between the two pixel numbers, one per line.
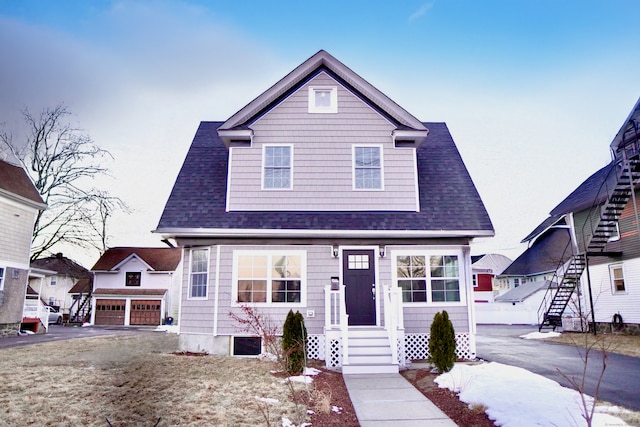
(247,346)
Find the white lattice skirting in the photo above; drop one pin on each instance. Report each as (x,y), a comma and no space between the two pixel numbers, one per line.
(416,347)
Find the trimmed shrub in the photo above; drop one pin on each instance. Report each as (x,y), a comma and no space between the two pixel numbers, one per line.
(442,342)
(294,336)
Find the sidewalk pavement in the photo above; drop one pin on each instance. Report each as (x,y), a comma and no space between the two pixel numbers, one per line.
(390,400)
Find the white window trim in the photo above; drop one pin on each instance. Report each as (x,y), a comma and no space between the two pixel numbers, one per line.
(333,97)
(462,281)
(206,296)
(270,253)
(262,171)
(611,279)
(353,166)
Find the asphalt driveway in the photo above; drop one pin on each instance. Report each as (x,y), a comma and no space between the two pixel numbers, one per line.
(500,343)
(61,333)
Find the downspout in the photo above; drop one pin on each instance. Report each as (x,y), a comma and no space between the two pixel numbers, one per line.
(593,313)
(216,308)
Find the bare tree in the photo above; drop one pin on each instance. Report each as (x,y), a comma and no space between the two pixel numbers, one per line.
(63,161)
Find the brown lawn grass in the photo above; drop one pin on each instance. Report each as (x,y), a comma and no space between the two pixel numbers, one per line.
(136,380)
(613,343)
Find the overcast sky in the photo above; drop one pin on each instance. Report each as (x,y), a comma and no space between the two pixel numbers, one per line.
(532,91)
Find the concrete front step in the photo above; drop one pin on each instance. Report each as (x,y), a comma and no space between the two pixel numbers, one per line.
(367,359)
(387,368)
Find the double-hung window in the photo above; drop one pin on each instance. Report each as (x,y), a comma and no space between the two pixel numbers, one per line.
(617,278)
(269,277)
(277,160)
(429,278)
(367,167)
(199,274)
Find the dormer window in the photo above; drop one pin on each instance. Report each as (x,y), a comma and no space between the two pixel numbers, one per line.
(323,99)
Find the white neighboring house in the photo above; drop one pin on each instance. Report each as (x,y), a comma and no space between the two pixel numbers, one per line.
(136,286)
(53,277)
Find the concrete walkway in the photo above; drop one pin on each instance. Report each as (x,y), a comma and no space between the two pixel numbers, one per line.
(391,400)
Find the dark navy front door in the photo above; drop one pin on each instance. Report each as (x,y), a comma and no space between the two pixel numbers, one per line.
(358,274)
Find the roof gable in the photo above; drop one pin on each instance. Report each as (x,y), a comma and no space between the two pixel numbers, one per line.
(158,259)
(16,184)
(321,61)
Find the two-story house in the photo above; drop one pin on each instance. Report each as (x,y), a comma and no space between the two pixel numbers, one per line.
(324,196)
(19,205)
(485,268)
(604,246)
(136,286)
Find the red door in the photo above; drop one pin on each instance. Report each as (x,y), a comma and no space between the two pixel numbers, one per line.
(358,274)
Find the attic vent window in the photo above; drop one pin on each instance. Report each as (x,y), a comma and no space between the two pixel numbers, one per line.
(323,99)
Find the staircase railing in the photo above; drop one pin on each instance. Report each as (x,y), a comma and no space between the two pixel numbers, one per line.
(35,309)
(393,318)
(344,326)
(612,196)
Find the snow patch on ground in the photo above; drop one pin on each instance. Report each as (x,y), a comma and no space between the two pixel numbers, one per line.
(540,335)
(174,329)
(286,422)
(515,397)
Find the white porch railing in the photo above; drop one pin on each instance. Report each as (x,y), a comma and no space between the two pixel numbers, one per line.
(394,320)
(336,318)
(35,309)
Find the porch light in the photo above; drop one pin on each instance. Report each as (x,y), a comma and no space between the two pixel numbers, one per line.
(334,250)
(383,250)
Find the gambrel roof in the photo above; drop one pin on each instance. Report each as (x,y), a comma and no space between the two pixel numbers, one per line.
(450,205)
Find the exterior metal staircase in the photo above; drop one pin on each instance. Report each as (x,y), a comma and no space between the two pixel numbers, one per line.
(596,232)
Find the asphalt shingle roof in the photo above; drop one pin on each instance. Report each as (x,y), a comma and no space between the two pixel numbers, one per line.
(13,179)
(160,259)
(544,255)
(448,197)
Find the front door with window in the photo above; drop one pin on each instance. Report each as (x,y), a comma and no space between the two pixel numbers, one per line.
(358,275)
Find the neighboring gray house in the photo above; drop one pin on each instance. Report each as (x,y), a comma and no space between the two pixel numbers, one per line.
(19,205)
(324,196)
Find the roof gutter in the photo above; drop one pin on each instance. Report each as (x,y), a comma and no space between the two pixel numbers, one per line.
(269,233)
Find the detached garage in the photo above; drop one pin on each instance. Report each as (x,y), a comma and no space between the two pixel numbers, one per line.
(136,286)
(129,307)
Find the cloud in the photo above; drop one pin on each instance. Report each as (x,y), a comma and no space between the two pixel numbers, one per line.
(420,12)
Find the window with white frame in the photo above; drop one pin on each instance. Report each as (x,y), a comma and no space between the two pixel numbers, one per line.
(323,99)
(199,275)
(428,278)
(367,167)
(1,278)
(617,278)
(269,277)
(277,166)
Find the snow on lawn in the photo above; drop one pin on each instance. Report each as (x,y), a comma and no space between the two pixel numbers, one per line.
(540,335)
(516,397)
